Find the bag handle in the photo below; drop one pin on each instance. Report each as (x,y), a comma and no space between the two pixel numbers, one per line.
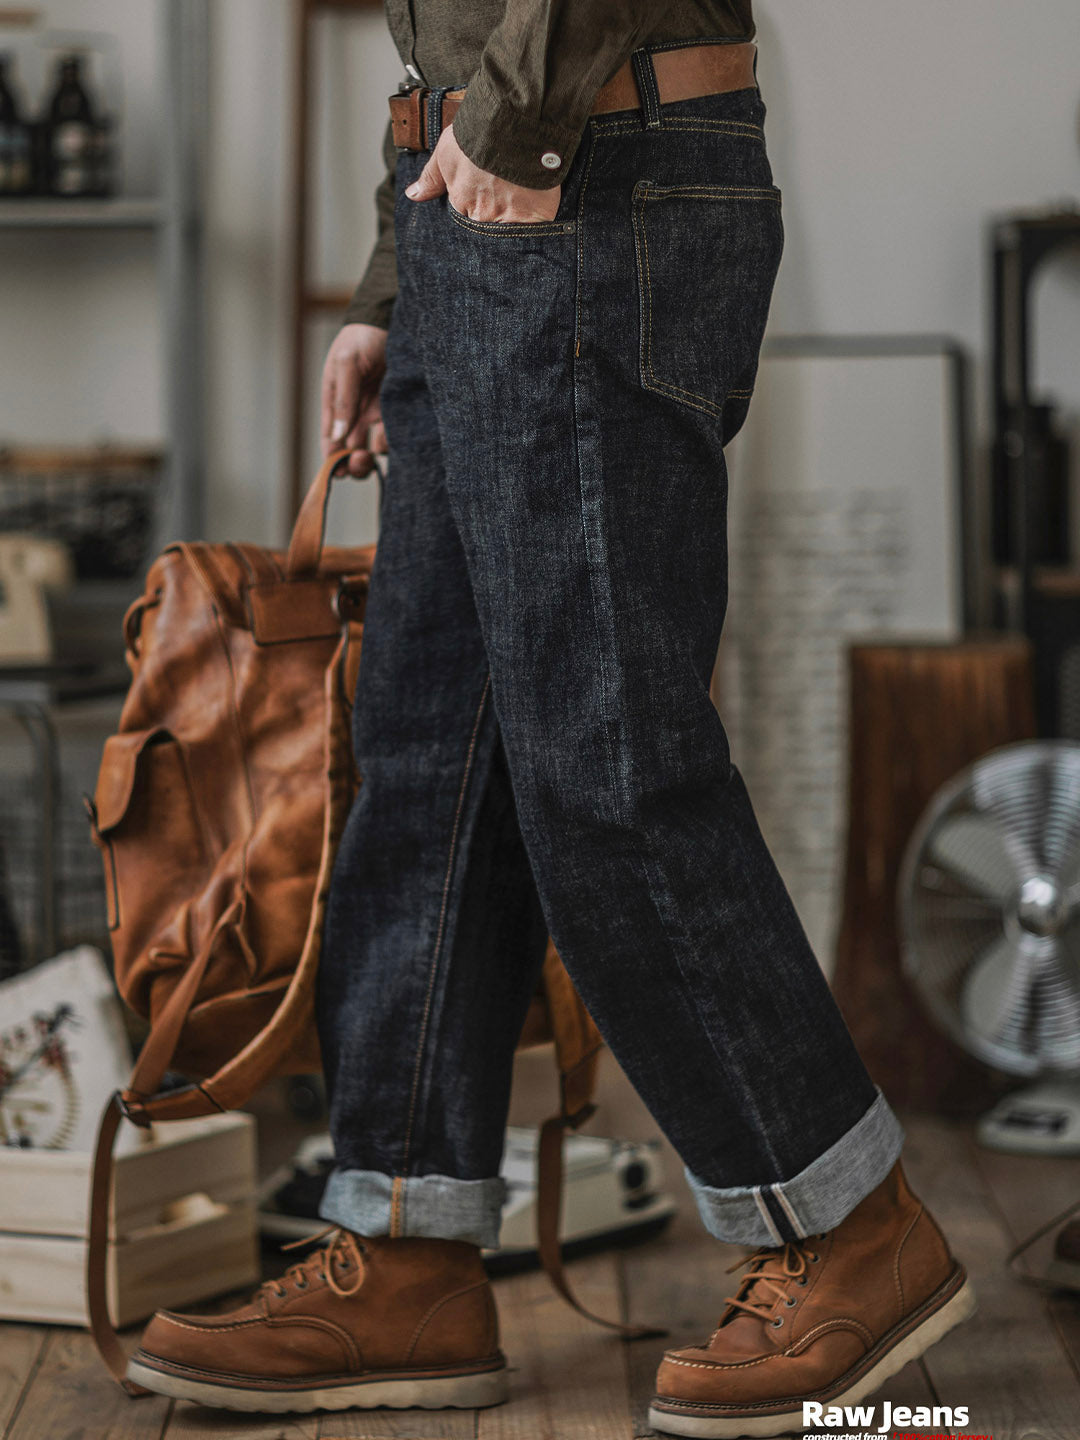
(305,547)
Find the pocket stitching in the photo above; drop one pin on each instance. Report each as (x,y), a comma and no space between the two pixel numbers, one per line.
(510,227)
(704,192)
(741,129)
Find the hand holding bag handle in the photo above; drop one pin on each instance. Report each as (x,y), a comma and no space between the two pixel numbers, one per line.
(305,547)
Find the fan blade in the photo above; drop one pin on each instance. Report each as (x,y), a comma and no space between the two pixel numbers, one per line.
(994,989)
(975,850)
(1057,1019)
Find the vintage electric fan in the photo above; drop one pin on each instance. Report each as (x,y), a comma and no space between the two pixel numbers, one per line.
(990,921)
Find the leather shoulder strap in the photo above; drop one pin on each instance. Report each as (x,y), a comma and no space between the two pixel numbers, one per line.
(548,1214)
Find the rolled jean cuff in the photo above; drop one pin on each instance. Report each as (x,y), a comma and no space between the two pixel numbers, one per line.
(816,1199)
(437,1206)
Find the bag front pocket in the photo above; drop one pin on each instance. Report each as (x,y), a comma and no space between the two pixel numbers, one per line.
(146,823)
(707,257)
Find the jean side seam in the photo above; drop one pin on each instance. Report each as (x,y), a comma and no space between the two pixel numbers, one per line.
(441,926)
(654,886)
(591,537)
(673,940)
(578,316)
(397,1218)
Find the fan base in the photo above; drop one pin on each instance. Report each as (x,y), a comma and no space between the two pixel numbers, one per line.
(1041,1120)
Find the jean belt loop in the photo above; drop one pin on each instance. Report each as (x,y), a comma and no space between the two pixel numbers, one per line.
(434,115)
(648,89)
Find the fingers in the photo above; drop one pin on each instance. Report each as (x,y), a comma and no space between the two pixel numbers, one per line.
(368,440)
(326,406)
(430,183)
(361,463)
(345,406)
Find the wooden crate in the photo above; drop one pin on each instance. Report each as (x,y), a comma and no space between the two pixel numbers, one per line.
(182,1224)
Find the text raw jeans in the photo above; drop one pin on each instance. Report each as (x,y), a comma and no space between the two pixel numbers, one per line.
(534,729)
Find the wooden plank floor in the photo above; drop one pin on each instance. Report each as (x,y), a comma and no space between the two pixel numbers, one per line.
(1015,1364)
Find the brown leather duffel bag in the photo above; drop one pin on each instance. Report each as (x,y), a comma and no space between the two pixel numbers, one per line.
(217,811)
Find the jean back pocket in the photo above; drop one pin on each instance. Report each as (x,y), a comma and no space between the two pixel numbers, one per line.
(707,257)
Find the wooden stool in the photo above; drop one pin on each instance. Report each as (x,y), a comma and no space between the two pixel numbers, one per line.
(920,712)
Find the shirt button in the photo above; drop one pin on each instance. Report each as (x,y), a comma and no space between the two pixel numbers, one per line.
(550,160)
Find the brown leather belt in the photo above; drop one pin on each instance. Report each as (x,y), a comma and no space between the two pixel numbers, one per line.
(682,74)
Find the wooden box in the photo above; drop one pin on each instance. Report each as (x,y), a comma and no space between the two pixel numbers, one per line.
(182,1226)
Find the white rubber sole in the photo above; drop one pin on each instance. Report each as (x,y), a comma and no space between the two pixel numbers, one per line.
(440,1392)
(914,1344)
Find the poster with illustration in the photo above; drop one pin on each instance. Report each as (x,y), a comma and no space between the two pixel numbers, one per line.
(63,1051)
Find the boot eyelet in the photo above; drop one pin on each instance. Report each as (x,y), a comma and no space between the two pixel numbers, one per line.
(301,1284)
(814,1258)
(803,1280)
(791,1301)
(778,1322)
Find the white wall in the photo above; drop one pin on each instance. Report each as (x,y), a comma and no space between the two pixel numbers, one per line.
(895,131)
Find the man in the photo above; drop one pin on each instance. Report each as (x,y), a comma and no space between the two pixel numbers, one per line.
(584,261)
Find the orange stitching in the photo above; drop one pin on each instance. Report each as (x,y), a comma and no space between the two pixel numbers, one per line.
(581,249)
(847,1323)
(739,128)
(503,228)
(440,929)
(433,1310)
(718,1364)
(664,387)
(899,1252)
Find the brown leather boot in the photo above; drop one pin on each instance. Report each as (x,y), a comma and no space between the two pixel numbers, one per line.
(359,1323)
(827,1319)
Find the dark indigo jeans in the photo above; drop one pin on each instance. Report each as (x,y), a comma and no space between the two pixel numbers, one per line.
(534,729)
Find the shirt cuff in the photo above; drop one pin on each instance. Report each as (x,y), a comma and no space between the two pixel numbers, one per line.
(366,308)
(525,150)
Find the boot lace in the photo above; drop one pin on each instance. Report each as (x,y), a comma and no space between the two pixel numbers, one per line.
(343,1252)
(771,1277)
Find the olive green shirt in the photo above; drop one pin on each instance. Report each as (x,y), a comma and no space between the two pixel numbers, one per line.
(532,68)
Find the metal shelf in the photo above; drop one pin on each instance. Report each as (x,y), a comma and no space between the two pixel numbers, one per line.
(175,220)
(136,214)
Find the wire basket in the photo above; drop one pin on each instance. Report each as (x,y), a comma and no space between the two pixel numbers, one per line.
(81,912)
(101,503)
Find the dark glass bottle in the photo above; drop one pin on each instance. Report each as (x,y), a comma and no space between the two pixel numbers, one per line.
(71,149)
(15,172)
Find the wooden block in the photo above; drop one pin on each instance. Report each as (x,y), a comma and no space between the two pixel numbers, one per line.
(183,1224)
(46,1191)
(190,1259)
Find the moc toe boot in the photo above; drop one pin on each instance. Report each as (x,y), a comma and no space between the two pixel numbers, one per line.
(826,1319)
(359,1323)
